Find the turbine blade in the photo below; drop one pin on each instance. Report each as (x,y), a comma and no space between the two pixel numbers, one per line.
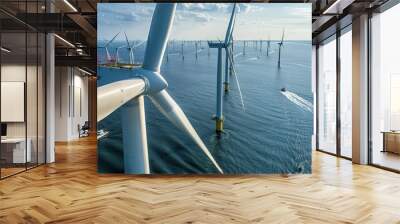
(127,41)
(230,26)
(139,44)
(108,55)
(233,28)
(167,106)
(109,42)
(160,28)
(111,96)
(236,78)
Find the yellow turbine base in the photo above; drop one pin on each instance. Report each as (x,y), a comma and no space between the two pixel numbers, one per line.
(219,125)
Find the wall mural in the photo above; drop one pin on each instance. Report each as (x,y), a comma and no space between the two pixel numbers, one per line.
(203,88)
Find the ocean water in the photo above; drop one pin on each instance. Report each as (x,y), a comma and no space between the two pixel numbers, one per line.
(272,134)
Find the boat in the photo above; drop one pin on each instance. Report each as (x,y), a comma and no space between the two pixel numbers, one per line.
(101,133)
(283,89)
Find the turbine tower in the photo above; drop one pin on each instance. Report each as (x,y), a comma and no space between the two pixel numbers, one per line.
(208,52)
(268,45)
(183,56)
(146,81)
(219,119)
(195,43)
(244,48)
(117,54)
(280,46)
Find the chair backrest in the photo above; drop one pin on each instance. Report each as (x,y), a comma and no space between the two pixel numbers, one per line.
(85,126)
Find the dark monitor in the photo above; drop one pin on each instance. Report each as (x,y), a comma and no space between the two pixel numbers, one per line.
(3,129)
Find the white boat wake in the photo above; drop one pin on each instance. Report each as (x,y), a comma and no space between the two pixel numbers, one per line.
(299,65)
(101,134)
(238,54)
(198,51)
(252,59)
(298,100)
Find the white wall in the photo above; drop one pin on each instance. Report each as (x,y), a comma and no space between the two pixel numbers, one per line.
(33,127)
(12,73)
(71,87)
(17,73)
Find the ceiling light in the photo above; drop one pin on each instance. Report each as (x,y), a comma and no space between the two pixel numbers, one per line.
(65,41)
(337,7)
(5,50)
(84,71)
(70,5)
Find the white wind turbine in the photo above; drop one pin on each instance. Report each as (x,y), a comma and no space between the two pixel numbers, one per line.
(146,81)
(280,47)
(226,45)
(131,48)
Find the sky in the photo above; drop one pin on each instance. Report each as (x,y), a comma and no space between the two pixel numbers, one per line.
(208,21)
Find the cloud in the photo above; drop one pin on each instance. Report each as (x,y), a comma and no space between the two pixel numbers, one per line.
(207,20)
(218,7)
(203,7)
(299,11)
(185,16)
(248,8)
(123,13)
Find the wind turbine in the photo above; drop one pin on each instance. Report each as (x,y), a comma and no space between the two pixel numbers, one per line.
(117,54)
(195,43)
(130,49)
(244,48)
(146,81)
(219,119)
(208,51)
(268,45)
(280,46)
(109,58)
(183,56)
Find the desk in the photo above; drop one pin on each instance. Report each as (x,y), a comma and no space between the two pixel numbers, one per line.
(391,141)
(16,147)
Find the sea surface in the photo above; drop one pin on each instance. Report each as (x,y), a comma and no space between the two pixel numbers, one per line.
(271,134)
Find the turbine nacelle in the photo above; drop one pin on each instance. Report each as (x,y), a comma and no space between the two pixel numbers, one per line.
(154,81)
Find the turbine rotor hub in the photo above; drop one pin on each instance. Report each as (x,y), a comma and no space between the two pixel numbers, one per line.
(153,80)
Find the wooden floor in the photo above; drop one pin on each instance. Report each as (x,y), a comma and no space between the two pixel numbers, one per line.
(70,191)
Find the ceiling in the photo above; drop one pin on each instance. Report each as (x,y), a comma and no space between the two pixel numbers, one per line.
(75,21)
(329,16)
